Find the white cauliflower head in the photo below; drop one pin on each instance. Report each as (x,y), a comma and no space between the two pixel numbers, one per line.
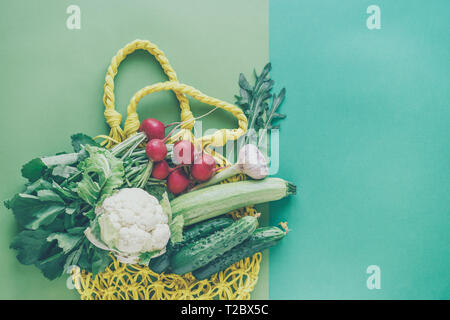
(133,222)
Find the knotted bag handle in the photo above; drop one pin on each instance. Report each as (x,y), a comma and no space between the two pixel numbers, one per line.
(113,118)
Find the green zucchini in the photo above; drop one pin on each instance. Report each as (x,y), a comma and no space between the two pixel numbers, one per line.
(203,251)
(193,233)
(260,240)
(212,201)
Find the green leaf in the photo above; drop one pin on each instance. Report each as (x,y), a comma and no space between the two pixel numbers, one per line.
(33,248)
(34,211)
(40,184)
(100,261)
(65,159)
(88,190)
(53,266)
(72,208)
(64,171)
(165,205)
(176,229)
(80,139)
(91,215)
(254,101)
(64,192)
(29,245)
(144,258)
(49,196)
(76,230)
(244,84)
(66,241)
(102,174)
(33,170)
(7,204)
(73,258)
(157,190)
(84,261)
(36,168)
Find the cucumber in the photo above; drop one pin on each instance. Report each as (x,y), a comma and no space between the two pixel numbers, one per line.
(193,233)
(204,229)
(260,240)
(162,263)
(203,251)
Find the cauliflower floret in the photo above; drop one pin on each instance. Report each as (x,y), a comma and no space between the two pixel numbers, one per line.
(133,222)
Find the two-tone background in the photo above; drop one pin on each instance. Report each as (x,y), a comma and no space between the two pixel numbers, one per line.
(366,136)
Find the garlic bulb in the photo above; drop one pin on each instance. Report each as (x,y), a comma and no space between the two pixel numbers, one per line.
(251,162)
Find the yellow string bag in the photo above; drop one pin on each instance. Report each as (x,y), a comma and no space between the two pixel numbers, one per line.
(122,281)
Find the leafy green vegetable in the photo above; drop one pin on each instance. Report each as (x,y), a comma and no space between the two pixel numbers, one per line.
(254,103)
(144,258)
(54,216)
(102,174)
(81,140)
(40,184)
(49,195)
(100,260)
(38,167)
(165,205)
(176,229)
(66,193)
(66,241)
(34,211)
(64,171)
(34,169)
(30,245)
(158,189)
(53,266)
(33,248)
(73,258)
(58,202)
(176,224)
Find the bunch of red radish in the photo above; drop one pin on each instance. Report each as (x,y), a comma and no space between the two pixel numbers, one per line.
(200,165)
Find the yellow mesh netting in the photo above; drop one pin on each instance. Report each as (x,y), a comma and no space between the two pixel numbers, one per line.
(123,281)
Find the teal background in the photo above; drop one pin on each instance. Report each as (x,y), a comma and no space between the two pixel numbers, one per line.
(367,141)
(52,80)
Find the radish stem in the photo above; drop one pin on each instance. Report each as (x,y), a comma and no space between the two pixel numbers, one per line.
(220,176)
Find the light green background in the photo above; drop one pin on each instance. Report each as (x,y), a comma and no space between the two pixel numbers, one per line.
(52,85)
(367,141)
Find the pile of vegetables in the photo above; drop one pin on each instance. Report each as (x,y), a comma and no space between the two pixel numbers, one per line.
(148,202)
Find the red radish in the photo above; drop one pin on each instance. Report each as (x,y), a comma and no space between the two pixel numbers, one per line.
(183,152)
(153,128)
(160,170)
(203,168)
(177,182)
(156,150)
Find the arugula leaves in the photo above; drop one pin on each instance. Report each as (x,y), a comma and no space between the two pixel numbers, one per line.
(254,101)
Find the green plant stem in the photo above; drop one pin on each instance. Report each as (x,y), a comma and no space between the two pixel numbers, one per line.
(131,142)
(220,176)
